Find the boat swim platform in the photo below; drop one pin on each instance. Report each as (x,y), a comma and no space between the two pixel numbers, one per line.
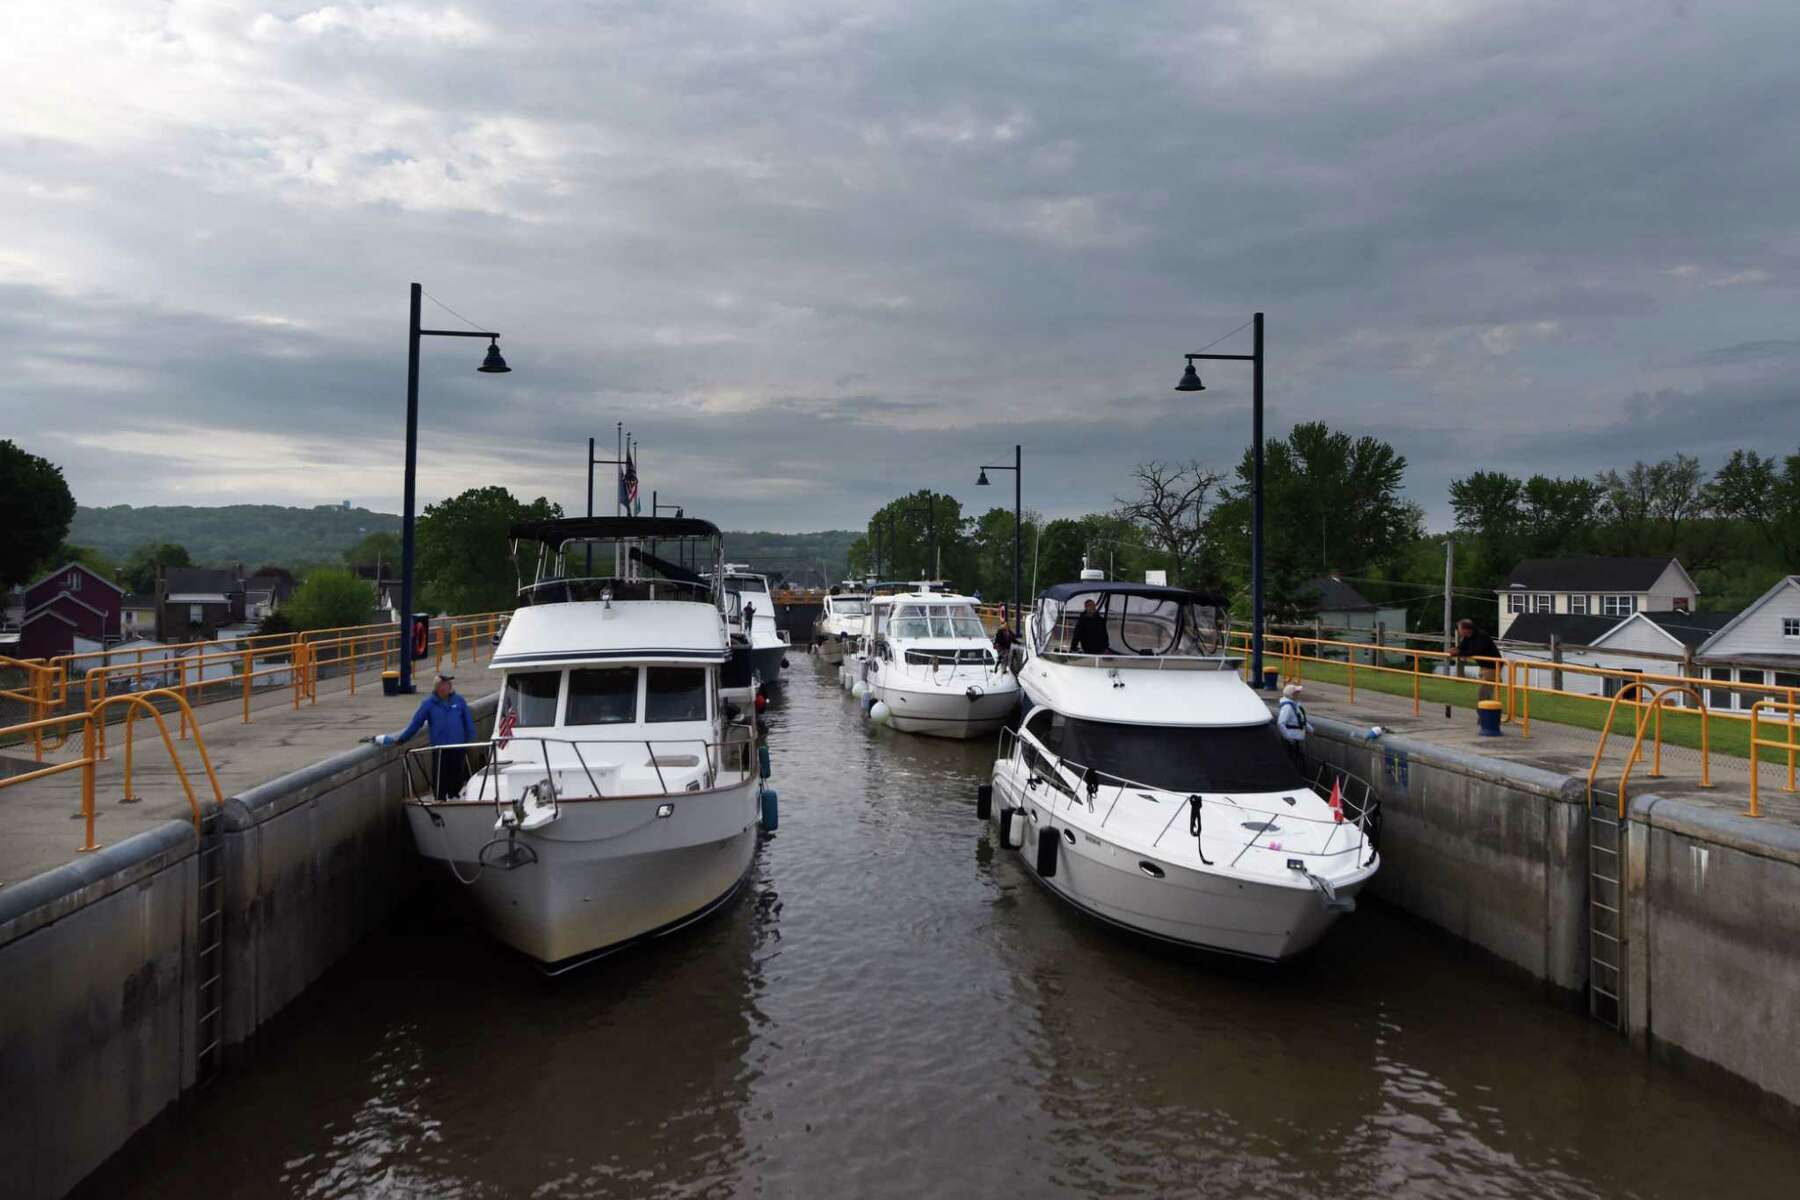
(41,817)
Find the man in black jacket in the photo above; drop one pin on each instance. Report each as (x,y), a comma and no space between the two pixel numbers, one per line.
(1474,644)
(1089,636)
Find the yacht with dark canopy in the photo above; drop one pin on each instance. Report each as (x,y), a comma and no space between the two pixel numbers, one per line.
(1148,787)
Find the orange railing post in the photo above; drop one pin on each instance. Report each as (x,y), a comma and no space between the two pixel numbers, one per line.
(87,791)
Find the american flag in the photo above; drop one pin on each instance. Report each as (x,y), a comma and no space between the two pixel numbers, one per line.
(504,733)
(628,484)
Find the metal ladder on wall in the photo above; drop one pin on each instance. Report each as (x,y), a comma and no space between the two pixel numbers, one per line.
(1606,921)
(209,963)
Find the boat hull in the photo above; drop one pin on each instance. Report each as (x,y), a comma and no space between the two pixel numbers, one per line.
(946,714)
(1217,912)
(767,661)
(604,874)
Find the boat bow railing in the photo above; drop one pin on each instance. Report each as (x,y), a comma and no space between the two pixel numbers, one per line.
(728,762)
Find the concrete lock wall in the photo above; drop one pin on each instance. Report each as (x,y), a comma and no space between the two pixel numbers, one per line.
(1494,852)
(313,861)
(1712,906)
(97,1015)
(98,1019)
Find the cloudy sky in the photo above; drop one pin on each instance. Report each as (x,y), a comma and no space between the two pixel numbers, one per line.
(817,254)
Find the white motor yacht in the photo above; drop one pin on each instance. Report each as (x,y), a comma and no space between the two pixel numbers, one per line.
(928,667)
(747,591)
(1147,785)
(840,616)
(620,795)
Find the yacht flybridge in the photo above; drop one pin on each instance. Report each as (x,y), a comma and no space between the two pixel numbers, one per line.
(926,665)
(1148,786)
(620,795)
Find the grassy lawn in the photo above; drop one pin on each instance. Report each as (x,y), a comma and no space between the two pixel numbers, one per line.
(1726,734)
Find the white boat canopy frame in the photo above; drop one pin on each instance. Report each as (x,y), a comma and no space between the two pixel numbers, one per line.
(1142,620)
(620,558)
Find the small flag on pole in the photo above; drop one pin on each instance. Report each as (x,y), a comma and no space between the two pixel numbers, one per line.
(628,489)
(1337,800)
(504,733)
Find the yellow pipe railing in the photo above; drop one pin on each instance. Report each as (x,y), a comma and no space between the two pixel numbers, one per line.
(1637,744)
(1757,744)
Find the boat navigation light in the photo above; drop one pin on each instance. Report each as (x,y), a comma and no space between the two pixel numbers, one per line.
(493,364)
(1190,379)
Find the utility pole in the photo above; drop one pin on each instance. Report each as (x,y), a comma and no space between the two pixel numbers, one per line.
(1449,585)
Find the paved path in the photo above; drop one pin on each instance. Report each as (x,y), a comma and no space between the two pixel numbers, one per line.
(41,819)
(1567,749)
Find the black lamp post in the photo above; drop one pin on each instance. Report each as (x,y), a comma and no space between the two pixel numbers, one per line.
(1190,382)
(1018,536)
(493,364)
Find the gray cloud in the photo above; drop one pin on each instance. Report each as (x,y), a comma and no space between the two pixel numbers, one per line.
(815,257)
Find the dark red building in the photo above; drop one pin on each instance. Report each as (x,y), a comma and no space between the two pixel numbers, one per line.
(69,604)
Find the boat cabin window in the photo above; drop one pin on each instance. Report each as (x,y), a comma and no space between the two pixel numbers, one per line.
(749,585)
(1135,624)
(602,696)
(937,620)
(531,697)
(1211,758)
(674,694)
(946,658)
(845,606)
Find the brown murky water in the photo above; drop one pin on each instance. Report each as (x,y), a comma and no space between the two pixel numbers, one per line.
(894,1010)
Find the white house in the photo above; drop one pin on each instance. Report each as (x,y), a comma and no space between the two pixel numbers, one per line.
(1594,586)
(1761,644)
(1642,643)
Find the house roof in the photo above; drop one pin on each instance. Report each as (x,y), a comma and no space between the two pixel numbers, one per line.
(79,566)
(1690,629)
(1591,574)
(1573,629)
(1337,596)
(200,579)
(1787,581)
(139,600)
(274,584)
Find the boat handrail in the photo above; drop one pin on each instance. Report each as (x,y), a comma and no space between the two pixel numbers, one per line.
(1365,820)
(613,587)
(717,766)
(1139,662)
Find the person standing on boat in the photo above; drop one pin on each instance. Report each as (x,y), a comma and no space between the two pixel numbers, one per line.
(1004,641)
(1291,722)
(450,723)
(1090,632)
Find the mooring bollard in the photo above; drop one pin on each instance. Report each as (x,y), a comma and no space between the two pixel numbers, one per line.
(1488,717)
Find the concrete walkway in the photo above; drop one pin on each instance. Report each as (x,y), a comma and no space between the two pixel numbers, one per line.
(1569,750)
(42,819)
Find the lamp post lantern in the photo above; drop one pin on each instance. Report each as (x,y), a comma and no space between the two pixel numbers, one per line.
(1190,382)
(492,364)
(1018,491)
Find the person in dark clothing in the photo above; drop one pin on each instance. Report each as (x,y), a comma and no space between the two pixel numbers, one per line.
(450,722)
(1090,632)
(1474,644)
(1004,641)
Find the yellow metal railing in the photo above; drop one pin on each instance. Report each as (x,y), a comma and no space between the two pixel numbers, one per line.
(1757,744)
(1637,743)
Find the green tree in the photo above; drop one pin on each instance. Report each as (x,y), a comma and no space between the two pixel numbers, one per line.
(87,556)
(372,548)
(330,598)
(903,530)
(1057,555)
(462,556)
(35,510)
(1764,494)
(1331,502)
(140,568)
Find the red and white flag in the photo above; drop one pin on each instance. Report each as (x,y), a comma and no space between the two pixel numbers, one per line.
(504,733)
(1337,800)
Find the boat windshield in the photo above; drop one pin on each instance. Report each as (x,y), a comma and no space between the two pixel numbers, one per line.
(949,658)
(1206,758)
(848,606)
(1135,624)
(936,620)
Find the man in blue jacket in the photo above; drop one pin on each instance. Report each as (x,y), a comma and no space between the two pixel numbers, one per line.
(450,723)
